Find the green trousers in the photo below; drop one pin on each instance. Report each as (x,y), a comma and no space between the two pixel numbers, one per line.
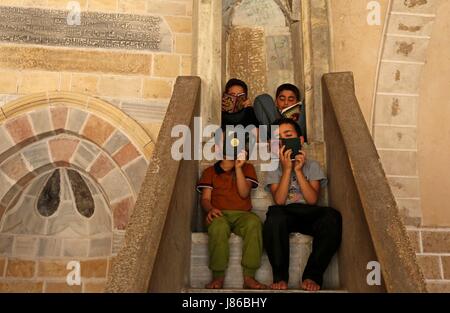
(246,225)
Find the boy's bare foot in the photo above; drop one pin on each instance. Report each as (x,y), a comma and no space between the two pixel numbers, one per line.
(281,285)
(309,285)
(251,283)
(216,283)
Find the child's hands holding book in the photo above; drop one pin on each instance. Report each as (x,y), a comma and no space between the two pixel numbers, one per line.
(300,160)
(285,159)
(292,112)
(235,103)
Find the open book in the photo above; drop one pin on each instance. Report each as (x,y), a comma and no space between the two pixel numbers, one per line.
(233,104)
(292,112)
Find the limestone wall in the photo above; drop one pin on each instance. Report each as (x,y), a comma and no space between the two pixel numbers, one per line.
(139,81)
(401,76)
(356,46)
(388,61)
(433,127)
(259,43)
(83,101)
(433,136)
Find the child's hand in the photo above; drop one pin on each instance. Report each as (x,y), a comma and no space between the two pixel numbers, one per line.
(285,159)
(300,160)
(247,103)
(241,159)
(212,214)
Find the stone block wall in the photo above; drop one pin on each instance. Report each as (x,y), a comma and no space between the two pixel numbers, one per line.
(259,43)
(433,255)
(396,105)
(64,132)
(47,275)
(83,97)
(137,80)
(403,110)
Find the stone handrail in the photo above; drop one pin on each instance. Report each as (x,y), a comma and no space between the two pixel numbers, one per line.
(156,252)
(358,188)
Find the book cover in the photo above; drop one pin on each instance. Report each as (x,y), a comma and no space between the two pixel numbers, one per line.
(232,103)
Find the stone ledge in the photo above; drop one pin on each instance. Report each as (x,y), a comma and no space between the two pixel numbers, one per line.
(438,286)
(75,60)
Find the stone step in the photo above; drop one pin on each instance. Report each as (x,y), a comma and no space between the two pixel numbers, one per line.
(260,207)
(300,245)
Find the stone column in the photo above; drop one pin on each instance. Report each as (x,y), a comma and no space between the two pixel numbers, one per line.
(207,57)
(317,60)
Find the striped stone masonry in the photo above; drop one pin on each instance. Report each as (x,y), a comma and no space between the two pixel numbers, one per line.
(48,131)
(397,98)
(85,141)
(70,149)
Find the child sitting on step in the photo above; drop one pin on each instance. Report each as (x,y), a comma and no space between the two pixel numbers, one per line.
(295,188)
(226,190)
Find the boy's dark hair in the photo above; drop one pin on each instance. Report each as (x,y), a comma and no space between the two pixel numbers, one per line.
(290,87)
(285,120)
(236,82)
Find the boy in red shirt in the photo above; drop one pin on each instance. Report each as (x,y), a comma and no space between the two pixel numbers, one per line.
(226,189)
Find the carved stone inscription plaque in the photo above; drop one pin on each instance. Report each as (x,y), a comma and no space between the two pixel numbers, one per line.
(96,30)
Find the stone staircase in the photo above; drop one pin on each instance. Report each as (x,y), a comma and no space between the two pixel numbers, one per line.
(300,250)
(300,244)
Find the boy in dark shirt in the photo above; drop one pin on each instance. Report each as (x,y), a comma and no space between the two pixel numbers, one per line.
(243,114)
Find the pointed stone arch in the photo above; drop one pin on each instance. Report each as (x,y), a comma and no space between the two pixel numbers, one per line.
(60,129)
(58,104)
